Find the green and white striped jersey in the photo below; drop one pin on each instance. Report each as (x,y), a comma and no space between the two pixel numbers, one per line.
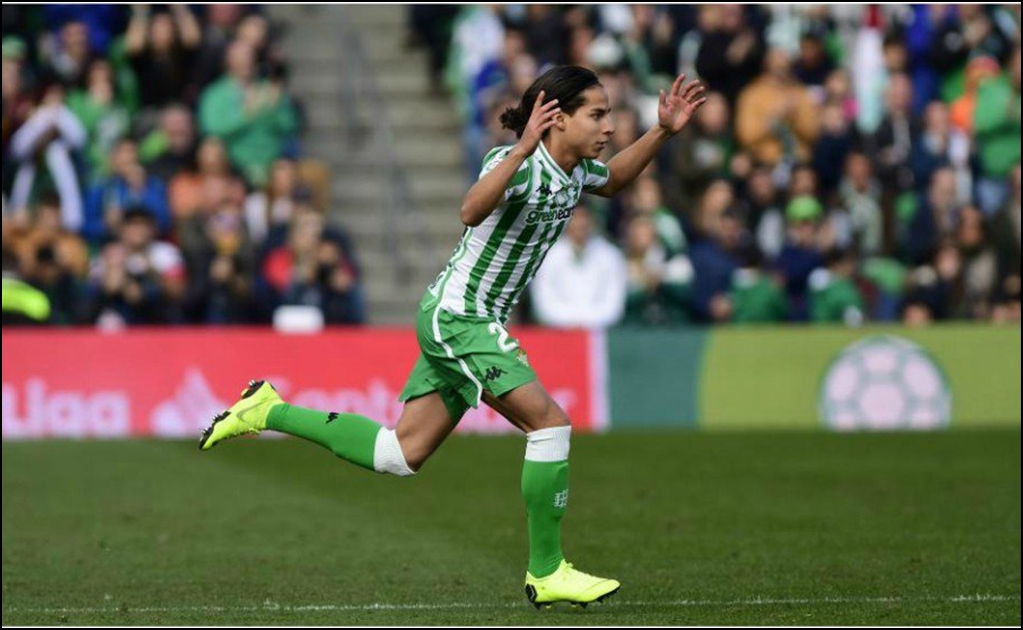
(495,260)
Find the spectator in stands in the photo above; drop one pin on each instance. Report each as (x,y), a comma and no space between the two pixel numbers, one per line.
(1005,229)
(838,91)
(997,125)
(47,231)
(66,64)
(731,52)
(962,110)
(658,286)
(755,297)
(49,136)
(933,220)
(162,47)
(254,117)
(222,266)
(801,253)
(137,279)
(313,269)
(813,64)
(715,256)
(941,145)
(700,155)
(979,275)
(829,153)
(776,118)
(891,146)
(547,33)
(860,196)
(932,286)
(18,102)
(219,24)
(128,186)
(213,182)
(101,22)
(646,199)
(170,148)
(105,119)
(54,260)
(834,296)
(272,207)
(582,281)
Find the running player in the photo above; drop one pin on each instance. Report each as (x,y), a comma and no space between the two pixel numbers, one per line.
(519,207)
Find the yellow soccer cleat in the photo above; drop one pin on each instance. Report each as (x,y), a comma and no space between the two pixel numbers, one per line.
(568,585)
(248,415)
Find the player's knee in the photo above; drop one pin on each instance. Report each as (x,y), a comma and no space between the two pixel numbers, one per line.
(554,416)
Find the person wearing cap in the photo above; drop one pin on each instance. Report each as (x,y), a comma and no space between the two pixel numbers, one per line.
(800,254)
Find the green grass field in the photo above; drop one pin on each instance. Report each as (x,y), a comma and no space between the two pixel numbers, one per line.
(719,529)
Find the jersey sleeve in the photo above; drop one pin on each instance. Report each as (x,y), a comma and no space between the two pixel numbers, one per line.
(519,183)
(597,175)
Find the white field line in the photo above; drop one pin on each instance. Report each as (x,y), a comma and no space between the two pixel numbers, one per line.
(679,603)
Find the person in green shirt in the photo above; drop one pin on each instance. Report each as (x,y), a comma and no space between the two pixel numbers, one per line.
(997,129)
(834,296)
(254,117)
(757,298)
(105,118)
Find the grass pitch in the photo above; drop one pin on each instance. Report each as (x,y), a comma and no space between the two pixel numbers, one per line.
(701,528)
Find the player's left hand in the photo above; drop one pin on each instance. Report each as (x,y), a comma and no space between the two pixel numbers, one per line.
(675,108)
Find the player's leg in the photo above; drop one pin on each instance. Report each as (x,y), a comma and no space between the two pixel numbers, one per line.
(544,471)
(424,424)
(545,490)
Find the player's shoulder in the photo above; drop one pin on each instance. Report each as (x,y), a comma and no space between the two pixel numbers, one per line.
(500,151)
(497,154)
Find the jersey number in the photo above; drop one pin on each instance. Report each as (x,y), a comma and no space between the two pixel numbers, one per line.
(502,337)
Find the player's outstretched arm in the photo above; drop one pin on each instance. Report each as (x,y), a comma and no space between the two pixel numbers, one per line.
(488,192)
(674,110)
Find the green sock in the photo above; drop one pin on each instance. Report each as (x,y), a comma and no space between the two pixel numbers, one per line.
(347,435)
(545,488)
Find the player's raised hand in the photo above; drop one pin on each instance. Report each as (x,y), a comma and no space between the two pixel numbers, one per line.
(677,106)
(542,119)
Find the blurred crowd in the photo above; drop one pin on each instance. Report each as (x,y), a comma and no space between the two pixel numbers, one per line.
(153,172)
(853,163)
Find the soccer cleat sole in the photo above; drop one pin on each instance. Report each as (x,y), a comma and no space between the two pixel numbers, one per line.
(531,594)
(250,390)
(208,433)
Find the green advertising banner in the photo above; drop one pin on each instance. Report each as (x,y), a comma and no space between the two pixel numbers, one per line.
(653,376)
(875,377)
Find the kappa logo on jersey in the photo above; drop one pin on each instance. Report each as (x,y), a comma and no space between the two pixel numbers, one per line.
(544,189)
(544,216)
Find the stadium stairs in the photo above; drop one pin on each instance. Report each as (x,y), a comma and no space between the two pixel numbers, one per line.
(371,115)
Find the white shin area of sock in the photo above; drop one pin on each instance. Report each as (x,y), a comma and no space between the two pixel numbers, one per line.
(548,445)
(387,455)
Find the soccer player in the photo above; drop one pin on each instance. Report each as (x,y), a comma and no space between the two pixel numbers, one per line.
(519,206)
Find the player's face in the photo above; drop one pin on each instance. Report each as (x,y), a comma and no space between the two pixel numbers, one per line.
(589,129)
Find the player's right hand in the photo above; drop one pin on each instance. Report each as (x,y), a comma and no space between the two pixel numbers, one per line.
(543,118)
